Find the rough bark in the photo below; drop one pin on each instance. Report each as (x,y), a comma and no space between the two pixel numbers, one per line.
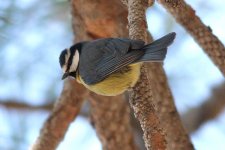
(145,112)
(99,19)
(109,115)
(185,15)
(141,99)
(209,109)
(192,119)
(177,137)
(148,2)
(63,113)
(110,119)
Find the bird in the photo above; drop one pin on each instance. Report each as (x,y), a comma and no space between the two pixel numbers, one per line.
(111,66)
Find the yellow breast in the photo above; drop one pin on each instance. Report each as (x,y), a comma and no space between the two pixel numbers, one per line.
(116,83)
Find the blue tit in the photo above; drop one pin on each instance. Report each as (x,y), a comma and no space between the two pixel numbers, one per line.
(110,66)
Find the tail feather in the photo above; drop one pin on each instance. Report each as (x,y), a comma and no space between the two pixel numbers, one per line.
(156,51)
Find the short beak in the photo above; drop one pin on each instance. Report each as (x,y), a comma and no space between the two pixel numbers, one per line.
(65,75)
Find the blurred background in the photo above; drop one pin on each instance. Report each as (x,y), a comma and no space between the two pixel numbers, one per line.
(32,35)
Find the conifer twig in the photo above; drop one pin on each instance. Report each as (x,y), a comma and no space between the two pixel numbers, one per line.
(63,113)
(185,15)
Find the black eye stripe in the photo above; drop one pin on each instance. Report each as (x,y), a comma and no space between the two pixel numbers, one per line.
(70,60)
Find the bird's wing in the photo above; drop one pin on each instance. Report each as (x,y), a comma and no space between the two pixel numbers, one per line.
(117,53)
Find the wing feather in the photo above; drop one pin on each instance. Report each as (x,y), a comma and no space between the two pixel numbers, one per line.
(108,56)
(113,65)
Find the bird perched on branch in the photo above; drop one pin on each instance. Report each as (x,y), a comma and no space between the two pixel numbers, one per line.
(110,66)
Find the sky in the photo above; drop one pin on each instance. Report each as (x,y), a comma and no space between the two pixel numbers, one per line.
(33,37)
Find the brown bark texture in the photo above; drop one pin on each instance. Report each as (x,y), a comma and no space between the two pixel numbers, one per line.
(109,115)
(63,113)
(177,137)
(99,19)
(192,119)
(20,105)
(185,15)
(111,120)
(141,99)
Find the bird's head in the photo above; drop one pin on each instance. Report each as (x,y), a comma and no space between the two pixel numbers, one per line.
(69,60)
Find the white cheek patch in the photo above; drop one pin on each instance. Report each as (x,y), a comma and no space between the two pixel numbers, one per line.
(67,56)
(64,68)
(74,64)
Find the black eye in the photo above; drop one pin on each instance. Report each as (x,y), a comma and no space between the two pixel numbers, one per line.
(73,74)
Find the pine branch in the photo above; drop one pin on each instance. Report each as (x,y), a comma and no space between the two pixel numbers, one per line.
(177,137)
(18,105)
(209,109)
(141,98)
(185,15)
(63,113)
(109,117)
(192,119)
